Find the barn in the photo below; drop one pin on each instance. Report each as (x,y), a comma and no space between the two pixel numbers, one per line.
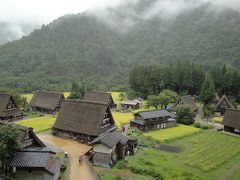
(102,97)
(153,120)
(47,102)
(133,104)
(83,120)
(8,107)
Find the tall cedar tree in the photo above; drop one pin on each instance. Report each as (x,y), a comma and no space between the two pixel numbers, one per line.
(208,90)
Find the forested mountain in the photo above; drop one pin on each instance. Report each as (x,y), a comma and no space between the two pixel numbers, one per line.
(103,46)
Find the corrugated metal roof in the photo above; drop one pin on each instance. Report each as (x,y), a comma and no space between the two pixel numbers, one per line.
(155,114)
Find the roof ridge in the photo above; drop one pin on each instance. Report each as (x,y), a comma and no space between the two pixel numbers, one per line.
(152,110)
(99,92)
(51,92)
(85,101)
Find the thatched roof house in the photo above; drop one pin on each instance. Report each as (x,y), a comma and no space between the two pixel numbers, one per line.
(47,102)
(35,164)
(110,147)
(153,120)
(102,97)
(8,107)
(189,101)
(27,137)
(84,120)
(231,120)
(222,105)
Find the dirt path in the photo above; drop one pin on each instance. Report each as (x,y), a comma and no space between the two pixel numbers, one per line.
(78,171)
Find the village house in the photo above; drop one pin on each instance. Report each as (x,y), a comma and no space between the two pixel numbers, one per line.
(27,137)
(35,164)
(221,106)
(231,121)
(102,97)
(133,104)
(83,120)
(189,101)
(8,108)
(153,120)
(47,102)
(110,147)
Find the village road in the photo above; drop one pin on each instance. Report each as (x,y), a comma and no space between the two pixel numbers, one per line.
(78,171)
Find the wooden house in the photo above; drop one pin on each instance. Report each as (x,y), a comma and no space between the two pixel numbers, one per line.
(47,102)
(231,121)
(153,120)
(189,101)
(35,164)
(27,137)
(110,147)
(8,108)
(83,120)
(133,104)
(222,105)
(102,97)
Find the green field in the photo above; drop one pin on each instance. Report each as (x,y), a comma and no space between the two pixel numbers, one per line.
(38,124)
(204,155)
(172,133)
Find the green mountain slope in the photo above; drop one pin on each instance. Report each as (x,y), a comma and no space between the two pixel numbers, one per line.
(85,46)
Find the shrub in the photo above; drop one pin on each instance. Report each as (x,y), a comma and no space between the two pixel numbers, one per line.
(207,110)
(121,165)
(203,125)
(197,124)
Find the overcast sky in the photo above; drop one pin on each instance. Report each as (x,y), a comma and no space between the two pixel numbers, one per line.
(44,11)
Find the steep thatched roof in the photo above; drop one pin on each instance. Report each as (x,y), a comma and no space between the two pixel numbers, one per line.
(24,133)
(102,97)
(85,117)
(4,100)
(46,99)
(189,100)
(232,118)
(223,103)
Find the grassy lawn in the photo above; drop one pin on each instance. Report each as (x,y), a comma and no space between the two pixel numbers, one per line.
(172,133)
(218,119)
(205,155)
(121,118)
(38,124)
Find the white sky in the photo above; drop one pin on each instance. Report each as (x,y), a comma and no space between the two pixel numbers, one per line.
(44,11)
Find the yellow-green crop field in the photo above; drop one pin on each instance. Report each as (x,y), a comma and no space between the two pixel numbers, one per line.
(116,98)
(218,119)
(38,124)
(121,118)
(172,133)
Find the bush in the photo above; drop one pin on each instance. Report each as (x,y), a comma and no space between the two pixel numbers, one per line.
(147,171)
(121,165)
(197,124)
(203,125)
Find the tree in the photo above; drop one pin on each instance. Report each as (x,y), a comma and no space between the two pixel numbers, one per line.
(21,101)
(153,101)
(208,90)
(166,97)
(9,143)
(79,90)
(185,115)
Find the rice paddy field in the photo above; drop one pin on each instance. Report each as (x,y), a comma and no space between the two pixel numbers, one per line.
(206,155)
(172,133)
(121,118)
(218,119)
(38,124)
